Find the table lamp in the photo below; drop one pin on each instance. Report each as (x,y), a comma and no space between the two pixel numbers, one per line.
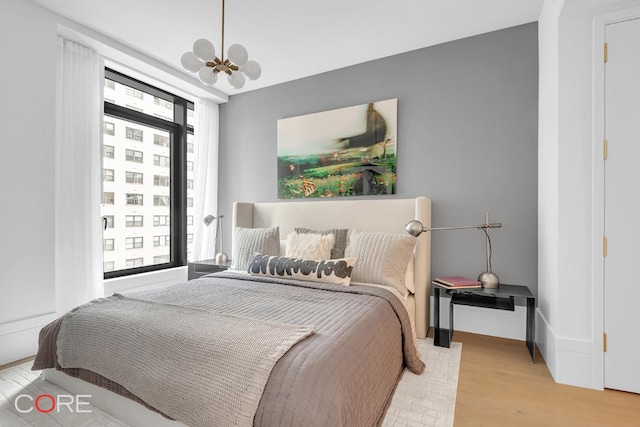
(488,278)
(221,257)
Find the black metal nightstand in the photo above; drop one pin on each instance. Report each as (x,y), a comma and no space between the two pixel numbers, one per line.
(201,268)
(501,298)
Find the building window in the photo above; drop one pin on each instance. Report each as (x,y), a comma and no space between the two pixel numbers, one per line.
(142,113)
(134,221)
(107,244)
(190,166)
(161,181)
(133,242)
(161,220)
(189,202)
(160,140)
(189,219)
(135,134)
(161,161)
(161,240)
(160,200)
(189,238)
(161,259)
(107,175)
(134,178)
(108,219)
(134,199)
(108,198)
(134,262)
(189,147)
(109,128)
(133,156)
(108,266)
(189,184)
(134,93)
(108,151)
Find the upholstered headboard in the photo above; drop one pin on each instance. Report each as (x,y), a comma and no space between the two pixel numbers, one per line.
(388,215)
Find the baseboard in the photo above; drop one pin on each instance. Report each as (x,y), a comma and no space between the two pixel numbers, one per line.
(19,339)
(570,361)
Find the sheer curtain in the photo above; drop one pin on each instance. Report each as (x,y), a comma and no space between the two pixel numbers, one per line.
(78,175)
(206,179)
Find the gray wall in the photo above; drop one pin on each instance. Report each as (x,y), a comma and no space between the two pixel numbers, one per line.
(467,139)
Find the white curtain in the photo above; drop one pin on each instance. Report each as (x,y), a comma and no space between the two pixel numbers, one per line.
(206,179)
(78,175)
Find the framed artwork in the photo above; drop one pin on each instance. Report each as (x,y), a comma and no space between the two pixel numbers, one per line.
(344,152)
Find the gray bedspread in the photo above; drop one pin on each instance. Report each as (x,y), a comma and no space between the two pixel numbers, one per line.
(342,375)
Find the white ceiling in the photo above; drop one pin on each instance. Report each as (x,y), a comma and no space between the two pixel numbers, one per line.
(292,39)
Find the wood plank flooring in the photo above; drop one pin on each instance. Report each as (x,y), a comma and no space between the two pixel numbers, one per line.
(498,385)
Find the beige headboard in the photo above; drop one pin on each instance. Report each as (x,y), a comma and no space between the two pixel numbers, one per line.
(389,215)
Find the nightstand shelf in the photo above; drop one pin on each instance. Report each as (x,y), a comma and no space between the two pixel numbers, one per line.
(198,269)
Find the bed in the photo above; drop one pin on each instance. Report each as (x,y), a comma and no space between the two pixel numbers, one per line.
(349,344)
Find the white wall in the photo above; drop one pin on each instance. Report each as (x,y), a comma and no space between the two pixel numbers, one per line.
(26,173)
(568,334)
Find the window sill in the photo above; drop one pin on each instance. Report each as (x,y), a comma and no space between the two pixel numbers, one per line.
(144,281)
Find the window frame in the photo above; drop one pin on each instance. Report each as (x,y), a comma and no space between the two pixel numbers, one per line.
(178,130)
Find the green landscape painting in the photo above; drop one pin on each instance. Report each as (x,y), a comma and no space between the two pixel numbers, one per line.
(344,152)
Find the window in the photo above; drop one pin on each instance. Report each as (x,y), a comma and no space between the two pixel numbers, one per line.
(189,184)
(108,197)
(134,221)
(108,220)
(161,161)
(160,259)
(141,113)
(161,220)
(161,181)
(133,156)
(135,134)
(134,199)
(160,200)
(189,147)
(190,220)
(108,266)
(134,93)
(189,202)
(108,151)
(190,166)
(160,140)
(109,128)
(107,175)
(107,244)
(134,178)
(134,262)
(161,240)
(189,238)
(133,242)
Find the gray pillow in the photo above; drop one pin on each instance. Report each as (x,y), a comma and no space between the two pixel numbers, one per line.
(341,239)
(382,257)
(248,241)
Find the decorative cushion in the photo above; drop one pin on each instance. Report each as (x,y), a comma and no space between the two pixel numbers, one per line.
(309,246)
(340,235)
(248,241)
(383,257)
(335,271)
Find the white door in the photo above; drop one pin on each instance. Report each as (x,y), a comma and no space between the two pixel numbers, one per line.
(622,206)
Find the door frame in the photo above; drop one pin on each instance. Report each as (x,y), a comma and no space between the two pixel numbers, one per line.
(600,23)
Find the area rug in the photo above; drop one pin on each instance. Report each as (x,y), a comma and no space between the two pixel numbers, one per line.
(428,399)
(420,400)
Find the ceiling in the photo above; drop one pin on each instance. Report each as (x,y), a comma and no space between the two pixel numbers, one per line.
(292,39)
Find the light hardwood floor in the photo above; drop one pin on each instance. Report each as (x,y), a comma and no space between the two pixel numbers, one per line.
(498,385)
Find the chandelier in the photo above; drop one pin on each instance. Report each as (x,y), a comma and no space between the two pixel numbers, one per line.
(203,60)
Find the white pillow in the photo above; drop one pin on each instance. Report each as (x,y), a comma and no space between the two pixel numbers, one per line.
(383,258)
(409,277)
(309,246)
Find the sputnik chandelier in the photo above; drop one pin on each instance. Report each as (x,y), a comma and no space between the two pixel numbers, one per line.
(203,60)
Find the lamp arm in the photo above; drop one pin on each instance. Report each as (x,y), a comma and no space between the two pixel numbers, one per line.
(464,227)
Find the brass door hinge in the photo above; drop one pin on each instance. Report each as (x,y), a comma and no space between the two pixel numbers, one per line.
(604,246)
(606,52)
(605,149)
(604,342)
